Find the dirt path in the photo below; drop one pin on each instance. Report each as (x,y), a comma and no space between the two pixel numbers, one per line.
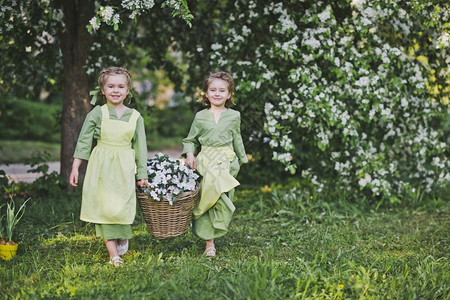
(19,172)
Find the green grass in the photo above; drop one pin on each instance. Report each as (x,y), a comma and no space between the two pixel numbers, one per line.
(20,151)
(163,143)
(282,245)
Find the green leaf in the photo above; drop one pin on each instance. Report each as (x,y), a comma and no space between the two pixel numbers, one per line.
(321,146)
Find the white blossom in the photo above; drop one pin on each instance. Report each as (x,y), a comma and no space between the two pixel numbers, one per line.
(106,13)
(94,24)
(325,15)
(168,178)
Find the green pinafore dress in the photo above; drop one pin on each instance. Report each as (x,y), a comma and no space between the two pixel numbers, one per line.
(109,186)
(222,149)
(213,212)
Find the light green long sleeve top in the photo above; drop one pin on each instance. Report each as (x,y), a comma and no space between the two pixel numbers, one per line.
(92,130)
(227,132)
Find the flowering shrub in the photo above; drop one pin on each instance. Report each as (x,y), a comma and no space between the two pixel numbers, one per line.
(168,178)
(112,15)
(346,86)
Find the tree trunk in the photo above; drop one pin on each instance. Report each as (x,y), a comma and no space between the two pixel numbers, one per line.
(75,41)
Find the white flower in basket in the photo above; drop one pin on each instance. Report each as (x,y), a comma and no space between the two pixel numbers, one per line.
(168,178)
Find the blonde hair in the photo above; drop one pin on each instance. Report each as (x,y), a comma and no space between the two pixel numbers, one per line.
(104,74)
(224,76)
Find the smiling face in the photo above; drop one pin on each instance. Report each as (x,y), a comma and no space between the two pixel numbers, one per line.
(218,93)
(115,89)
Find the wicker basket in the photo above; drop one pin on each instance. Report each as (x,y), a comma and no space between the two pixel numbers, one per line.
(165,220)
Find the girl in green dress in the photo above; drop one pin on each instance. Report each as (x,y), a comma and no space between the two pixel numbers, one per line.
(217,132)
(117,161)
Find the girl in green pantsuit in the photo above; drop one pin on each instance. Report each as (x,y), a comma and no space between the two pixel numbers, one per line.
(217,131)
(115,164)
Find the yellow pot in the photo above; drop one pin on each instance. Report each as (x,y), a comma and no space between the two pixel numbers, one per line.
(8,251)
